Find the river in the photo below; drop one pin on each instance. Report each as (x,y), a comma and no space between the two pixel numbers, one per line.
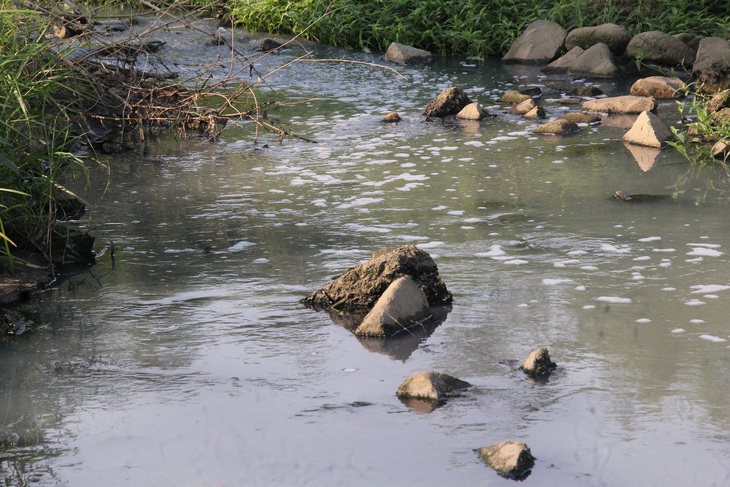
(189,361)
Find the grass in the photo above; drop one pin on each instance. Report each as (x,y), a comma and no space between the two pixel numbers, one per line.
(472,27)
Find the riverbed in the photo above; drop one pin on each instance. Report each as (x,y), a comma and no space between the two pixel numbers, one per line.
(187,359)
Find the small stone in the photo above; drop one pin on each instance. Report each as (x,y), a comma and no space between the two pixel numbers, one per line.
(523,107)
(431,385)
(559,127)
(392,117)
(538,363)
(511,459)
(514,97)
(536,112)
(576,117)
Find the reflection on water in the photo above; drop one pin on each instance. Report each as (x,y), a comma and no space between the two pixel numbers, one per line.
(192,363)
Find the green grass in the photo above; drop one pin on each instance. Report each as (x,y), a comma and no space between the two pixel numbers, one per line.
(476,27)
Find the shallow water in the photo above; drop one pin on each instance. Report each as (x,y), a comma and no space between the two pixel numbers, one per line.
(190,361)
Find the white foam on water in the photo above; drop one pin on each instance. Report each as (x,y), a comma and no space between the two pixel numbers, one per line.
(455,212)
(664,250)
(709,288)
(650,239)
(516,262)
(466,227)
(262,260)
(523,305)
(319,202)
(431,245)
(474,143)
(589,306)
(622,249)
(564,263)
(697,321)
(240,246)
(713,338)
(439,208)
(706,245)
(678,330)
(495,252)
(613,299)
(573,253)
(643,320)
(555,282)
(580,288)
(642,257)
(589,268)
(704,252)
(358,202)
(178,251)
(669,289)
(694,302)
(367,229)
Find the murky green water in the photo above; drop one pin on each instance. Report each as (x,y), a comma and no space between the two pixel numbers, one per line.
(191,363)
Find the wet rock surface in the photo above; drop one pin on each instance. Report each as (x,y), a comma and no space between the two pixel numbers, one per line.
(511,459)
(449,102)
(360,287)
(431,385)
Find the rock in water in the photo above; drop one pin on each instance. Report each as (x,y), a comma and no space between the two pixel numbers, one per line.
(511,459)
(431,385)
(538,363)
(648,131)
(401,305)
(449,102)
(403,54)
(359,288)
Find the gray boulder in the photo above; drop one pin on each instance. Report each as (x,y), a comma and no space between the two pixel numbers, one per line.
(659,87)
(511,459)
(597,62)
(449,102)
(659,48)
(621,104)
(614,36)
(431,385)
(541,42)
(403,54)
(714,52)
(400,306)
(564,62)
(692,40)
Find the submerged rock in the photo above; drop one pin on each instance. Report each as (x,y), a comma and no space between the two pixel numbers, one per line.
(360,287)
(558,127)
(268,45)
(449,102)
(400,306)
(577,117)
(431,385)
(514,97)
(392,117)
(473,111)
(538,363)
(511,459)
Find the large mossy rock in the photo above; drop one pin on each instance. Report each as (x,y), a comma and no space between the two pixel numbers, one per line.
(656,47)
(359,288)
(614,36)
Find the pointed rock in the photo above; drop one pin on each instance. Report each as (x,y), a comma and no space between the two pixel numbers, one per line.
(538,363)
(596,61)
(541,42)
(401,305)
(431,385)
(648,130)
(562,64)
(523,107)
(473,111)
(536,112)
(511,459)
